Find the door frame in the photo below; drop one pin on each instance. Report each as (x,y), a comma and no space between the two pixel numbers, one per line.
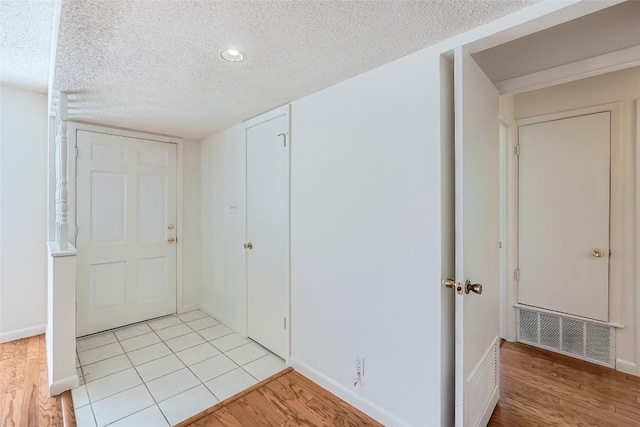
(73,128)
(284,110)
(615,215)
(637,245)
(510,230)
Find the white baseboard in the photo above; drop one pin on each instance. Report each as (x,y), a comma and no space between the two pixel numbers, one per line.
(22,333)
(347,395)
(626,367)
(57,387)
(190,307)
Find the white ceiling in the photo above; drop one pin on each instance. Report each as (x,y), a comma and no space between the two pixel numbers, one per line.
(611,29)
(25,43)
(155,66)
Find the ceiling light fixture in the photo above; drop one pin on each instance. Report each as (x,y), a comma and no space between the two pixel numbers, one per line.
(232,55)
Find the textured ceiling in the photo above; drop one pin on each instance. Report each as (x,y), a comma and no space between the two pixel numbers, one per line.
(25,42)
(155,65)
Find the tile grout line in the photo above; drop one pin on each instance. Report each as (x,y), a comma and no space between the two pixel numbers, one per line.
(155,403)
(200,382)
(118,340)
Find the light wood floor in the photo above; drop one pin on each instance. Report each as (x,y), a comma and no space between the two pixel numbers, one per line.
(541,388)
(24,389)
(289,400)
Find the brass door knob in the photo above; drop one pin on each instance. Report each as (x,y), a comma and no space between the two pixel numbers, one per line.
(476,288)
(597,253)
(248,245)
(171,226)
(449,283)
(171,240)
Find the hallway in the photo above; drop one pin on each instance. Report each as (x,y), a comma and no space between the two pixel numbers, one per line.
(539,387)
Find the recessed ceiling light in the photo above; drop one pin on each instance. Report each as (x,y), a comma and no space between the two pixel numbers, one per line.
(232,55)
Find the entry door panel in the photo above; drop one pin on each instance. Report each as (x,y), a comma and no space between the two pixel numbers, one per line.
(126,203)
(477,210)
(564,215)
(268,232)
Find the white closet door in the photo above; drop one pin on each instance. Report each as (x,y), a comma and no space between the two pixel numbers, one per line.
(126,216)
(564,215)
(268,232)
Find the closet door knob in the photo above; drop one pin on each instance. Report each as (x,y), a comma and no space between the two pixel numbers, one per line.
(597,253)
(248,245)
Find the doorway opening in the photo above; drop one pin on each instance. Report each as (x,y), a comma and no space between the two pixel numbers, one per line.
(566,131)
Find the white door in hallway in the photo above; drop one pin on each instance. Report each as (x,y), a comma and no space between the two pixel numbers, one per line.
(268,233)
(126,229)
(477,241)
(563,214)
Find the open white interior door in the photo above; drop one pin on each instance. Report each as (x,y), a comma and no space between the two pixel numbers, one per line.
(477,238)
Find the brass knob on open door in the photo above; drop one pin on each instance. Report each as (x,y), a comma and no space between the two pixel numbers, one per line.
(598,253)
(476,288)
(171,240)
(449,283)
(248,245)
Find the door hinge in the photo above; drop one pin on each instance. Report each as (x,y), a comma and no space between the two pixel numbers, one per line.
(75,230)
(285,323)
(76,152)
(516,274)
(518,150)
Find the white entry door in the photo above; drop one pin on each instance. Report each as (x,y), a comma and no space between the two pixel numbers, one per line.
(268,233)
(563,220)
(126,219)
(477,237)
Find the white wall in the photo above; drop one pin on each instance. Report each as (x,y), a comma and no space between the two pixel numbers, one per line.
(365,238)
(191,277)
(623,87)
(23,213)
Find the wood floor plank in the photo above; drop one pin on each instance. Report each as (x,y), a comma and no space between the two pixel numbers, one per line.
(12,409)
(309,388)
(297,412)
(541,388)
(222,417)
(253,410)
(33,347)
(286,401)
(31,394)
(600,417)
(5,374)
(47,411)
(16,377)
(8,349)
(330,415)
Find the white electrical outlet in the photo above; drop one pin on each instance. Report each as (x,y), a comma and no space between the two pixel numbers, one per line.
(359,367)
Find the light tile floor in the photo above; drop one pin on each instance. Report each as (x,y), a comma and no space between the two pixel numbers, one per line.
(163,371)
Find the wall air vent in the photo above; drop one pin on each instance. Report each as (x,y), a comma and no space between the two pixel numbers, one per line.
(581,339)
